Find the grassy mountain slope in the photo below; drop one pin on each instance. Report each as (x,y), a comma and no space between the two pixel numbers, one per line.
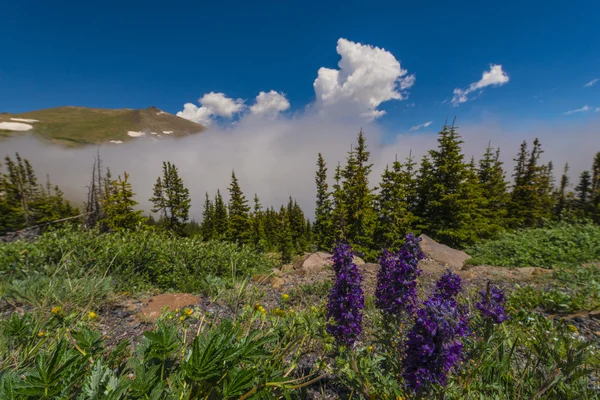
(74,126)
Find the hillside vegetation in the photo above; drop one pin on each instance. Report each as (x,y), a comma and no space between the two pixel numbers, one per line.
(75,126)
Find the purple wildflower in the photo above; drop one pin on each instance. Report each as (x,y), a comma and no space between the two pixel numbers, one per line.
(396,290)
(449,285)
(433,347)
(346,299)
(492,304)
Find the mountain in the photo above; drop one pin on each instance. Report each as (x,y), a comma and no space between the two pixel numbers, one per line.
(77,126)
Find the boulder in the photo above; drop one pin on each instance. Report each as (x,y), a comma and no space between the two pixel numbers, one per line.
(277,282)
(440,253)
(313,262)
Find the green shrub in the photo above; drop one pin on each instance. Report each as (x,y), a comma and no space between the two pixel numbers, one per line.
(548,247)
(135,258)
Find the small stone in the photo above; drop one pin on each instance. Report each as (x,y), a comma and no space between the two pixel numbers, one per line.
(287,268)
(277,282)
(595,315)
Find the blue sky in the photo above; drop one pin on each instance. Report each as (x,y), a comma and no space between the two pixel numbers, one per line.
(136,54)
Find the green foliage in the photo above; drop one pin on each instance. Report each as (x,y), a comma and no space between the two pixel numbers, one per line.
(323,222)
(239,218)
(554,245)
(171,199)
(119,206)
(132,258)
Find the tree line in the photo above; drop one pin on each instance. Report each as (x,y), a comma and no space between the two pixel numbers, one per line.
(455,201)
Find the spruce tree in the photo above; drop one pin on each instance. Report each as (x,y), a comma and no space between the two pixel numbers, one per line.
(339,218)
(239,221)
(531,195)
(119,207)
(285,243)
(323,236)
(208,220)
(424,189)
(221,220)
(359,199)
(583,193)
(171,199)
(561,195)
(297,223)
(494,192)
(258,226)
(271,229)
(595,192)
(452,197)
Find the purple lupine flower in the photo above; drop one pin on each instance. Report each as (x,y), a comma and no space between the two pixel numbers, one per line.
(396,290)
(491,305)
(346,299)
(433,347)
(449,285)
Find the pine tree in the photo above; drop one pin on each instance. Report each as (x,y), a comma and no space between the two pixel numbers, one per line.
(323,210)
(561,195)
(595,195)
(285,243)
(424,196)
(221,221)
(208,220)
(239,221)
(271,229)
(530,202)
(297,223)
(583,193)
(119,207)
(258,226)
(171,199)
(339,218)
(451,212)
(494,192)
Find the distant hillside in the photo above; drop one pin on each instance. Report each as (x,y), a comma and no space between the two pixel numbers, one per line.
(76,126)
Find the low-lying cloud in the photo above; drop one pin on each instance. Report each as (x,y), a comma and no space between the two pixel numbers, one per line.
(274,153)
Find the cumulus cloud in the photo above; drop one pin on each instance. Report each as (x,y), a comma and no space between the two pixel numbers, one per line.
(367,76)
(582,109)
(212,105)
(494,77)
(591,83)
(270,104)
(425,125)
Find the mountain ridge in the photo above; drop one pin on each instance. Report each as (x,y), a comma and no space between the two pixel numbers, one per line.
(78,126)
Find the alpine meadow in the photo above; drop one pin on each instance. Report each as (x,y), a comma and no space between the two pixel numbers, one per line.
(374,228)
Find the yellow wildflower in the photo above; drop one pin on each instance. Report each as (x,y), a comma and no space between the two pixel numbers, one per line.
(56,310)
(370,348)
(285,296)
(92,315)
(182,318)
(177,310)
(188,311)
(573,328)
(41,334)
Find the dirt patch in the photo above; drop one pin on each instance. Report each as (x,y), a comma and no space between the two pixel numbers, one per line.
(152,308)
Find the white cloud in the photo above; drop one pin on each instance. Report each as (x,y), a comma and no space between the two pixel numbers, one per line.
(270,104)
(212,105)
(494,77)
(425,125)
(582,109)
(367,76)
(597,109)
(591,83)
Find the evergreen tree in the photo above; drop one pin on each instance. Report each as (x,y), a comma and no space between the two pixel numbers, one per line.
(271,229)
(239,221)
(595,193)
(171,199)
(583,193)
(258,226)
(395,216)
(561,195)
(285,243)
(531,196)
(323,210)
(297,223)
(208,220)
(119,207)
(339,218)
(424,196)
(494,192)
(452,195)
(221,221)
(360,200)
